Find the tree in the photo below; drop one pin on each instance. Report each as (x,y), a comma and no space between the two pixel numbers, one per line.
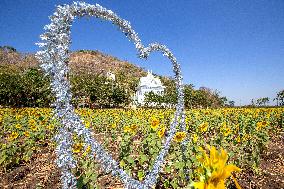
(280,98)
(262,101)
(265,101)
(152,98)
(231,103)
(8,49)
(222,101)
(188,96)
(252,102)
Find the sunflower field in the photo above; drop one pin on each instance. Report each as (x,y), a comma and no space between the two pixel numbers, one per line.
(233,136)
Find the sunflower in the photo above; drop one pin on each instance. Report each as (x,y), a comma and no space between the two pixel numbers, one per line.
(155,123)
(18,126)
(130,129)
(27,134)
(32,122)
(226,131)
(87,124)
(260,125)
(127,129)
(215,171)
(50,127)
(113,125)
(179,136)
(13,136)
(203,126)
(194,138)
(77,147)
(33,127)
(161,132)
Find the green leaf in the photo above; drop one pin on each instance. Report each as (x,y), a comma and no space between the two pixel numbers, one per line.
(122,163)
(179,164)
(130,160)
(143,158)
(168,169)
(140,175)
(174,183)
(167,183)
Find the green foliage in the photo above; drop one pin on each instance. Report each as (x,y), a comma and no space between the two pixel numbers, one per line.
(262,101)
(31,88)
(280,98)
(100,91)
(201,98)
(24,89)
(8,48)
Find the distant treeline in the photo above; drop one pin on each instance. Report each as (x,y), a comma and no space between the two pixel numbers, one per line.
(31,89)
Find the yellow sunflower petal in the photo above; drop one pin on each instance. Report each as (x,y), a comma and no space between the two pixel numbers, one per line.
(224,156)
(199,185)
(213,154)
(229,169)
(236,183)
(220,185)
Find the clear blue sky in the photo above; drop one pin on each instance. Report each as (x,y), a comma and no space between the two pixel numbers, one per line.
(234,46)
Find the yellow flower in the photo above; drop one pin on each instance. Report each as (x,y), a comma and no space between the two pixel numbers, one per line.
(26,133)
(246,137)
(161,132)
(133,128)
(18,126)
(226,131)
(113,126)
(194,138)
(32,122)
(260,125)
(87,124)
(126,129)
(33,127)
(203,127)
(238,139)
(50,127)
(216,170)
(13,136)
(77,147)
(155,123)
(18,117)
(130,129)
(179,136)
(88,150)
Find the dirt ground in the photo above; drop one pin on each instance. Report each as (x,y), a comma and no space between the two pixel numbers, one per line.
(42,172)
(271,174)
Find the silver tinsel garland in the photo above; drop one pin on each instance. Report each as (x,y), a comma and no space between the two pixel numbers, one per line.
(54,56)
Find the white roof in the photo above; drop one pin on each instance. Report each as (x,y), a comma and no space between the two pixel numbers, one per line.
(150,81)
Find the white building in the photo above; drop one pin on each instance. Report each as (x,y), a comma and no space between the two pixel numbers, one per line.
(146,85)
(110,76)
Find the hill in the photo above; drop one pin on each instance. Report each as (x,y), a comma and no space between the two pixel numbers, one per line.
(81,62)
(21,79)
(87,61)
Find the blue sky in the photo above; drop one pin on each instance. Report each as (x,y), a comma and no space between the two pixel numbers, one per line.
(236,47)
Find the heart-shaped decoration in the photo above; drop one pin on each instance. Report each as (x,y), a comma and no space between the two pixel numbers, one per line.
(54,56)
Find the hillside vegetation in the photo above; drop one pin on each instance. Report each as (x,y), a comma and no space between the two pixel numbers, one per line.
(23,84)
